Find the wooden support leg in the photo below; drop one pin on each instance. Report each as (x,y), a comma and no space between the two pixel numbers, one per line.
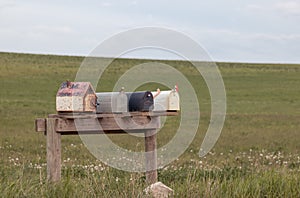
(53,152)
(151,156)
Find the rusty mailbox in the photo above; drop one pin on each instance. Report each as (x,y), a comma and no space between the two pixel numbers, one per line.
(76,97)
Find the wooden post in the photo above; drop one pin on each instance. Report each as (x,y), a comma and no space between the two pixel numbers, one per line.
(53,151)
(151,156)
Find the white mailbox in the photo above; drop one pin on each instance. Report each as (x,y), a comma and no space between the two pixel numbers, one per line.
(166,100)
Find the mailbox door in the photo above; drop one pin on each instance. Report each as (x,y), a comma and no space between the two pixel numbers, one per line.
(174,102)
(90,103)
(121,103)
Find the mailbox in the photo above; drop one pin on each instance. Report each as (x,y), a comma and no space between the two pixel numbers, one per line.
(140,101)
(166,100)
(76,97)
(112,102)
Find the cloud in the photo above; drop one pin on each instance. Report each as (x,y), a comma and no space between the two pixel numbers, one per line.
(288,7)
(255,7)
(6,5)
(53,29)
(235,45)
(275,37)
(106,4)
(249,35)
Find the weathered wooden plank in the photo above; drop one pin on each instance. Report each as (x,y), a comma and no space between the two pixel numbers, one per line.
(116,115)
(53,151)
(108,124)
(151,156)
(40,125)
(155,113)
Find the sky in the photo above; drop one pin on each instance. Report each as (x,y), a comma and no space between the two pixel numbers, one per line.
(229,30)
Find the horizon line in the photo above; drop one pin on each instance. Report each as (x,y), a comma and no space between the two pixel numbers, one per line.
(157,59)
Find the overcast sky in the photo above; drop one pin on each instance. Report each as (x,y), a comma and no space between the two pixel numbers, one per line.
(230,30)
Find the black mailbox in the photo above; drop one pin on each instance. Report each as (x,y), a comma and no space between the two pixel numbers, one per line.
(140,101)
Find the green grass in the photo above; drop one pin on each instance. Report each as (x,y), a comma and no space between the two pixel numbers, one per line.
(257,154)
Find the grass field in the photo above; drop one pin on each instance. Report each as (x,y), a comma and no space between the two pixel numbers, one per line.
(257,155)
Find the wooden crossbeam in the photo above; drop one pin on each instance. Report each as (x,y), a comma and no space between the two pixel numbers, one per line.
(102,125)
